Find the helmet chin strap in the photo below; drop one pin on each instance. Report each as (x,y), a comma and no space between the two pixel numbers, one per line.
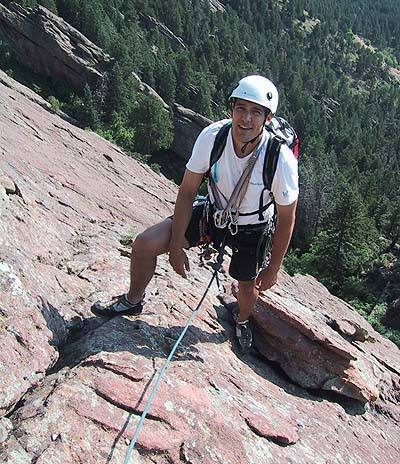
(243,149)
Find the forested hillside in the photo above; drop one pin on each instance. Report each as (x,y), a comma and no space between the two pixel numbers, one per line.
(335,65)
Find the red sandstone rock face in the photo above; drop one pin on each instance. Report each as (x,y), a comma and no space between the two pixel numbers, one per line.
(50,46)
(325,344)
(72,385)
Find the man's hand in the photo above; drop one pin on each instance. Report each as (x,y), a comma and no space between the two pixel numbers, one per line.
(179,261)
(266,279)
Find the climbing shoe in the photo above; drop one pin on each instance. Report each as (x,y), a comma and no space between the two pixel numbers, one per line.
(244,336)
(118,306)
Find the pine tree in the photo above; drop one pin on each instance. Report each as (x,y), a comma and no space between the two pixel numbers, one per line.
(348,242)
(90,114)
(121,92)
(152,124)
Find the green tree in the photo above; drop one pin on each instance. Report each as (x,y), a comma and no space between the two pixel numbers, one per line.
(121,94)
(121,133)
(49,4)
(392,226)
(152,124)
(5,56)
(201,95)
(90,113)
(347,244)
(24,3)
(184,78)
(167,82)
(84,108)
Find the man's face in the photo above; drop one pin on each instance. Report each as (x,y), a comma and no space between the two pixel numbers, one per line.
(247,120)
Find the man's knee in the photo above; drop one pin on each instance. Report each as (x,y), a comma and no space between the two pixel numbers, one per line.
(154,240)
(142,243)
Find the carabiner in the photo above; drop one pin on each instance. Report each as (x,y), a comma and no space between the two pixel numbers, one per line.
(233,216)
(220,219)
(233,228)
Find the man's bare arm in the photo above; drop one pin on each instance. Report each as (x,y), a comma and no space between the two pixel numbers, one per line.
(182,214)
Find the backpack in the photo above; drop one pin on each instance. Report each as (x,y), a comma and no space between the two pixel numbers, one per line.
(281,128)
(282,133)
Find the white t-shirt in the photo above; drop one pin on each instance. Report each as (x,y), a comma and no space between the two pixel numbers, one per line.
(227,170)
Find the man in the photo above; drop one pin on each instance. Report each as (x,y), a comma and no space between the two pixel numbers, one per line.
(253,103)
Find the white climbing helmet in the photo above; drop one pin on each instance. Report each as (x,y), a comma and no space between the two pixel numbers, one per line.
(257,89)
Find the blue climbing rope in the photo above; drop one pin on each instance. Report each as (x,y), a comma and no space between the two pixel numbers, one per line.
(149,403)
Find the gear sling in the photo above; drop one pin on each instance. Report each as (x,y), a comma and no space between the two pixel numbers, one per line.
(229,216)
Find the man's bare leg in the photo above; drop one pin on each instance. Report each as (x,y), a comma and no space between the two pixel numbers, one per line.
(151,243)
(246,295)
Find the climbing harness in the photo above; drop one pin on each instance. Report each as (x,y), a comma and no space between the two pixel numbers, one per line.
(165,366)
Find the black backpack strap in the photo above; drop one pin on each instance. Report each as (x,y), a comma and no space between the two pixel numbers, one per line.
(219,144)
(270,164)
(271,161)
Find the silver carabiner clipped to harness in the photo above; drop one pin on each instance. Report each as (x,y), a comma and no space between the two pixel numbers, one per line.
(227,218)
(220,218)
(233,228)
(233,221)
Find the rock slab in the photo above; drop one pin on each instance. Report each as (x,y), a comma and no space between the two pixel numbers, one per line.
(72,386)
(50,46)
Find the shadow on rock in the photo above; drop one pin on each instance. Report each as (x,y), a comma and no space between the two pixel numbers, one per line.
(65,331)
(55,323)
(273,372)
(352,406)
(137,336)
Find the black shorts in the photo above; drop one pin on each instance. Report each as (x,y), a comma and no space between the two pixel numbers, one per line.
(249,246)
